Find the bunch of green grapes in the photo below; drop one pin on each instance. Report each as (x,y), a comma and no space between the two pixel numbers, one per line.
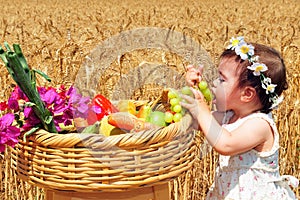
(176,111)
(203,87)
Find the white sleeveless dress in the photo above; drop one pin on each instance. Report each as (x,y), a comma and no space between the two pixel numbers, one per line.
(252,175)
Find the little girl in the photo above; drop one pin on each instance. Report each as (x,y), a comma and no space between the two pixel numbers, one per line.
(251,80)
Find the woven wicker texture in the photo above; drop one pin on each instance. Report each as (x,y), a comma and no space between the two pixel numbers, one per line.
(103,166)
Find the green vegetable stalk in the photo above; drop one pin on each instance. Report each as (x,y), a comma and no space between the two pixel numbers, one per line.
(25,78)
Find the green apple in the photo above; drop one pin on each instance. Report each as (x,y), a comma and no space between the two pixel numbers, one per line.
(157,118)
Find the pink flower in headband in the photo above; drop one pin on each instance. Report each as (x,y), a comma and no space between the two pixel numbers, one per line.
(257,68)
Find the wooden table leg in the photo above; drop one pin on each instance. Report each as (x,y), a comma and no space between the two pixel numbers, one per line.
(161,192)
(158,192)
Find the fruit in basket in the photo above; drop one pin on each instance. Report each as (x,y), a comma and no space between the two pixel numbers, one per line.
(174,101)
(104,103)
(144,112)
(127,106)
(172,93)
(157,118)
(99,108)
(129,122)
(177,117)
(108,129)
(177,108)
(169,117)
(95,114)
(91,129)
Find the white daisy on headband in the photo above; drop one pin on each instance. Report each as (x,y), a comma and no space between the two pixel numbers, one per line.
(234,42)
(276,101)
(257,68)
(244,50)
(267,85)
(254,59)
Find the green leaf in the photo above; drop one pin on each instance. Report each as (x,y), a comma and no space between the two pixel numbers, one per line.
(48,119)
(17,49)
(92,128)
(30,104)
(34,129)
(7,47)
(3,56)
(42,74)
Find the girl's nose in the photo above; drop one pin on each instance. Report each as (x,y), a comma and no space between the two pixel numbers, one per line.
(214,86)
(215,83)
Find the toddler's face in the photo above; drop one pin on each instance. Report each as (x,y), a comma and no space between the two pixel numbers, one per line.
(226,88)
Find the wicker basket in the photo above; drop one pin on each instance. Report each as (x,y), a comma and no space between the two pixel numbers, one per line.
(92,162)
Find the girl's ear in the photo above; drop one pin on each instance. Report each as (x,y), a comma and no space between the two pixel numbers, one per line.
(248,94)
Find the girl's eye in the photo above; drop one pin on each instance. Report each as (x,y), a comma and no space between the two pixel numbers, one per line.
(221,79)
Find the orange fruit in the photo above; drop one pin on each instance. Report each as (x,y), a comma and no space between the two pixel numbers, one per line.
(127,106)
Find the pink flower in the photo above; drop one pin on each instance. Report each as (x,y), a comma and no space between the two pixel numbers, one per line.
(8,133)
(13,104)
(31,120)
(63,103)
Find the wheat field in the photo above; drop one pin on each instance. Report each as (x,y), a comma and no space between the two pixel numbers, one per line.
(57,35)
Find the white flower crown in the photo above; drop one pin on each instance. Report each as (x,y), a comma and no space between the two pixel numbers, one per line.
(246,52)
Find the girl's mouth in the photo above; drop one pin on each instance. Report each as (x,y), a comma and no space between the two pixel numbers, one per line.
(213,89)
(214,101)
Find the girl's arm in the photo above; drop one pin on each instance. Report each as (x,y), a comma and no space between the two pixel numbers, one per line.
(250,134)
(219,116)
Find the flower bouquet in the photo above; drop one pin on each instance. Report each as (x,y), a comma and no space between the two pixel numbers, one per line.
(30,107)
(57,141)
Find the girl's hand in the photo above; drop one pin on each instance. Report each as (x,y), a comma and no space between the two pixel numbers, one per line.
(195,105)
(193,74)
(203,117)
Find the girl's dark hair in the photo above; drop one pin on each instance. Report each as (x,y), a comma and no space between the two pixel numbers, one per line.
(276,71)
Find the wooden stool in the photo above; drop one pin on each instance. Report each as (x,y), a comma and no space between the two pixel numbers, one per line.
(158,192)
